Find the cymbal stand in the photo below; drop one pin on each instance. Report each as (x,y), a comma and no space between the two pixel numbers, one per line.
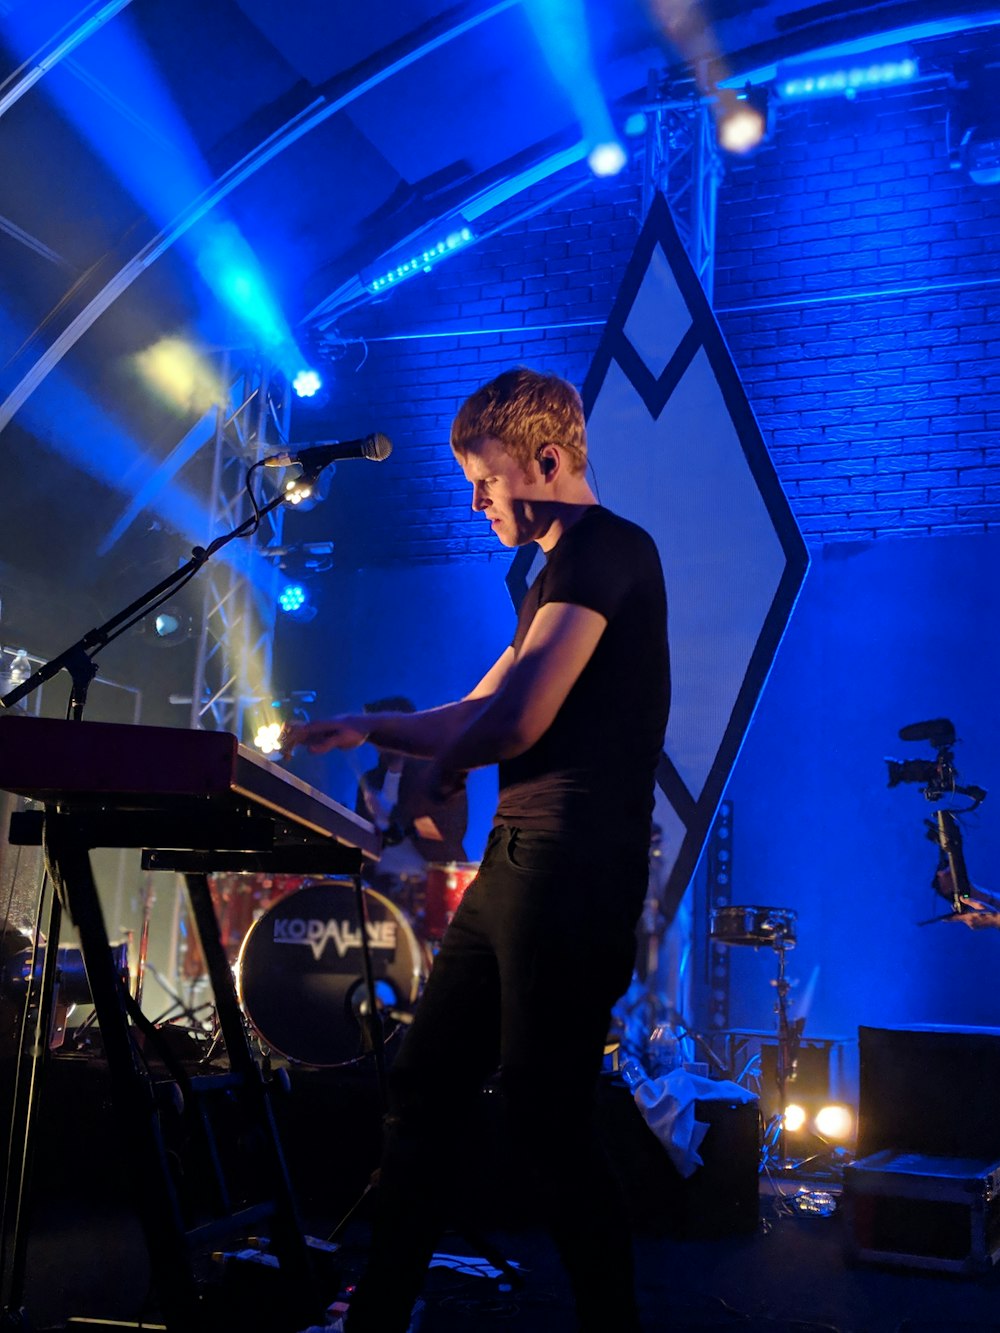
(789,1036)
(786,1063)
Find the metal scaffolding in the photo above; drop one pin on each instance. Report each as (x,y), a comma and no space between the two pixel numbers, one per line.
(235,647)
(683,163)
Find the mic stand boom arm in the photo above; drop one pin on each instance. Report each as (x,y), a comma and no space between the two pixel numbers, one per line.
(78,659)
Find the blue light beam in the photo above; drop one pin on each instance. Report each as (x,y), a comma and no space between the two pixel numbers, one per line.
(561,29)
(120,104)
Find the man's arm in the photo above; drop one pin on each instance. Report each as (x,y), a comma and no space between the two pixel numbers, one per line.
(558,645)
(419,735)
(508,711)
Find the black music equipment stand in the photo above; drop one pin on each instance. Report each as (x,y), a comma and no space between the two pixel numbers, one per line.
(242,1183)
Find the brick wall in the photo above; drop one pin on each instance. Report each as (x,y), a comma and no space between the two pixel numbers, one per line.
(857,282)
(536,294)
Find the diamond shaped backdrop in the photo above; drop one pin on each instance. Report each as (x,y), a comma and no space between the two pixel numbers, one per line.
(674,446)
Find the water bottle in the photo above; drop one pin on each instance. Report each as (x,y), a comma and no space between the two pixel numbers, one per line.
(633,1074)
(663,1053)
(20,669)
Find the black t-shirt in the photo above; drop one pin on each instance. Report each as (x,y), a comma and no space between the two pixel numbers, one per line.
(592,772)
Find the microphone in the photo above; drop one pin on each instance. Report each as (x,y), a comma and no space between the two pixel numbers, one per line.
(313,457)
(940,731)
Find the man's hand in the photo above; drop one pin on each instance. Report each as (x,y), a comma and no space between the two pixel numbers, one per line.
(441,783)
(337,733)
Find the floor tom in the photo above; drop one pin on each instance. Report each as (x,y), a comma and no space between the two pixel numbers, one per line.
(446,884)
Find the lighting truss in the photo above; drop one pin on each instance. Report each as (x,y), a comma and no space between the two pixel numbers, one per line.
(234,656)
(682,162)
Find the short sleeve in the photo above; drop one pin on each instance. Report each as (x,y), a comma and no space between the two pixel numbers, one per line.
(596,571)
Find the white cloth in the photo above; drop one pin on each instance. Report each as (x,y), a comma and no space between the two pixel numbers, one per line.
(667,1106)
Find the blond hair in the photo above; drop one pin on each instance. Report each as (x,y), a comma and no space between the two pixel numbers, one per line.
(525,410)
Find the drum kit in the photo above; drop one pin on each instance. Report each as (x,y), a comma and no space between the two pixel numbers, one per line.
(298,954)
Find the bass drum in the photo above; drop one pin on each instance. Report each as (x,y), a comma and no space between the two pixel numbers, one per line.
(301,975)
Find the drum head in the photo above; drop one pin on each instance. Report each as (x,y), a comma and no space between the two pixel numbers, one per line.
(754,926)
(300,973)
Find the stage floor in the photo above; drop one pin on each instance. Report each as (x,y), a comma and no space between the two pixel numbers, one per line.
(788,1277)
(783,1271)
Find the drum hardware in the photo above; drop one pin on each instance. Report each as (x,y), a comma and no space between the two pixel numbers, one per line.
(22,971)
(753,926)
(775,927)
(654,1001)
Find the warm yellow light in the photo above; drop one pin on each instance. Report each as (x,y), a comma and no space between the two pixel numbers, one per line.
(267,739)
(795,1118)
(298,489)
(835,1122)
(180,376)
(742,129)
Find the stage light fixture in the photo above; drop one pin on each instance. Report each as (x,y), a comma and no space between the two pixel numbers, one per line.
(423,261)
(292,598)
(741,118)
(307,383)
(607,159)
(267,737)
(795,84)
(301,558)
(972,127)
(636,124)
(834,1122)
(299,489)
(296,603)
(795,1118)
(170,625)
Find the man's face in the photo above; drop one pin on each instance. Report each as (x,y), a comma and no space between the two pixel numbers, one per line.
(502,491)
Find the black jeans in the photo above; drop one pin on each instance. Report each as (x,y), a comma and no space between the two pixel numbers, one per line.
(542,945)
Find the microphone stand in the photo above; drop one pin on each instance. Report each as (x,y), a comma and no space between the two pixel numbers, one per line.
(79,661)
(79,658)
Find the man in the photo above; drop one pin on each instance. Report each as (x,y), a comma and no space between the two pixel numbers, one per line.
(543,941)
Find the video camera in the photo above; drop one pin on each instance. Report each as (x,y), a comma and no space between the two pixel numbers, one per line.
(939,774)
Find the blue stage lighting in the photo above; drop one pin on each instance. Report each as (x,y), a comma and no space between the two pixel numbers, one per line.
(845,81)
(296,603)
(293,597)
(422,262)
(636,124)
(153,153)
(230,267)
(607,159)
(307,383)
